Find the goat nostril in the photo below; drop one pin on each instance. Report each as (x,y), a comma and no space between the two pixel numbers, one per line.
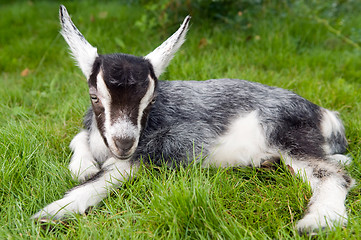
(124,144)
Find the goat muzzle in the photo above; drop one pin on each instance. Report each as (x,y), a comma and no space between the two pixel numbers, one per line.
(124,147)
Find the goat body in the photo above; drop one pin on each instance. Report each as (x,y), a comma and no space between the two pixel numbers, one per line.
(229,122)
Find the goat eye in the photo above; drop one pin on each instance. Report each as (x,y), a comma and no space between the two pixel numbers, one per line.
(152,102)
(94,98)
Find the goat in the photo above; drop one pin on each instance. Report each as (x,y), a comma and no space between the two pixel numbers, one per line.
(231,122)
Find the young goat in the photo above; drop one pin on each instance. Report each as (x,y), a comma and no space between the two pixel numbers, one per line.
(231,122)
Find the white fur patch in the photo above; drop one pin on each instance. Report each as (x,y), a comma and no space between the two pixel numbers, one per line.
(327,204)
(82,164)
(340,158)
(163,54)
(105,97)
(330,124)
(97,146)
(103,92)
(146,100)
(80,198)
(327,208)
(243,144)
(84,53)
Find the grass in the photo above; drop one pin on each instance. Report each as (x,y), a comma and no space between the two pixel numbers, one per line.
(43,98)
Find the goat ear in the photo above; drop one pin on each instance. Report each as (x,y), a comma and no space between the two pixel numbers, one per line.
(84,53)
(162,55)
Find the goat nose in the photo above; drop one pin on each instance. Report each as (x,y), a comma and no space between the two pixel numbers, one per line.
(124,144)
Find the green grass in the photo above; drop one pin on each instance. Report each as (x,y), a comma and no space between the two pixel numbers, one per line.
(42,111)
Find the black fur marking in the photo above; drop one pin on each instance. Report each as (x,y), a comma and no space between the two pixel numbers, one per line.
(95,177)
(338,143)
(184,27)
(348,181)
(321,173)
(298,128)
(99,113)
(92,81)
(62,10)
(121,70)
(88,119)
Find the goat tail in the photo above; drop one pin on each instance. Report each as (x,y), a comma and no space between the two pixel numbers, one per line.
(333,132)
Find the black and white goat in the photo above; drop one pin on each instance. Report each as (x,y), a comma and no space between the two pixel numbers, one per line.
(231,122)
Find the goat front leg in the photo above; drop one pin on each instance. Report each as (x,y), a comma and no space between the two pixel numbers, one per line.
(330,185)
(91,192)
(82,164)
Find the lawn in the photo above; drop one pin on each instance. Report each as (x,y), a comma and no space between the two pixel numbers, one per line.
(313,49)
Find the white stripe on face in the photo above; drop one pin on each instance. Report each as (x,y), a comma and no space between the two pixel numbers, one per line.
(146,100)
(105,98)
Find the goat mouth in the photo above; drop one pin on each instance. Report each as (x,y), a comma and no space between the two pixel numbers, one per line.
(123,157)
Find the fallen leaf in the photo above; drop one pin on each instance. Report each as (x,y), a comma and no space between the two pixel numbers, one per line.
(25,72)
(202,43)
